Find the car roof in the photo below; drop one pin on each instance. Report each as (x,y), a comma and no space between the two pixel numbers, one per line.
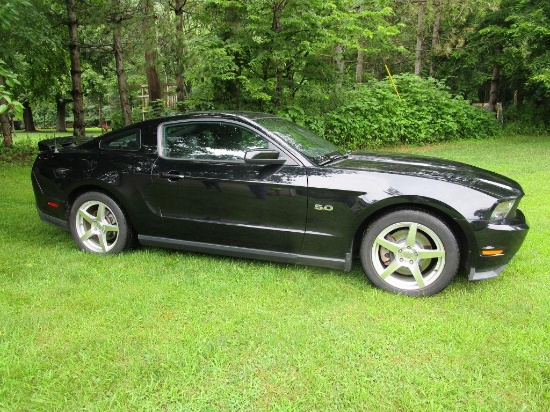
(151,124)
(228,115)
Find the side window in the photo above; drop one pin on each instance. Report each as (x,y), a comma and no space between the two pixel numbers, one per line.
(129,141)
(209,141)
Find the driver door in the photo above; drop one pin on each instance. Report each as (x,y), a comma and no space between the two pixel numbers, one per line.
(207,193)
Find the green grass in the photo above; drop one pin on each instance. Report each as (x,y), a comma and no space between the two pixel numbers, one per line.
(20,137)
(169,331)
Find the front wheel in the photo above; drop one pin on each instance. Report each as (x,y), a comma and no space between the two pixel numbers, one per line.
(410,252)
(99,225)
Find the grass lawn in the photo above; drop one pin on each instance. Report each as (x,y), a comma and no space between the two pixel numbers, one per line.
(21,136)
(169,331)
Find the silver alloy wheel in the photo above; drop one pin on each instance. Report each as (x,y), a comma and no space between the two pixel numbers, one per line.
(96,226)
(408,255)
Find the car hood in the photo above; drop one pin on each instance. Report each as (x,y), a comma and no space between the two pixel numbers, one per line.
(434,169)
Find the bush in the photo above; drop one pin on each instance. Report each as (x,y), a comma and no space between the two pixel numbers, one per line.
(372,115)
(20,152)
(526,118)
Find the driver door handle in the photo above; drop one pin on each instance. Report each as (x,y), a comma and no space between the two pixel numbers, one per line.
(172,175)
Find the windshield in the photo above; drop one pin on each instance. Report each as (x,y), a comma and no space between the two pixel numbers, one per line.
(313,147)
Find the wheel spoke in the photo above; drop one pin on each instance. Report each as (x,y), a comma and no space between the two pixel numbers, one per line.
(110,228)
(417,274)
(88,234)
(411,236)
(390,269)
(101,212)
(385,243)
(102,236)
(430,253)
(86,216)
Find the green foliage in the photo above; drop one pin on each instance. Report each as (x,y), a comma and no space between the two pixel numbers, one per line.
(528,118)
(24,151)
(529,34)
(513,38)
(259,55)
(296,58)
(372,115)
(8,81)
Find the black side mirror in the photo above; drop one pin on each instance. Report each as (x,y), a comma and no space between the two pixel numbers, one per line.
(263,157)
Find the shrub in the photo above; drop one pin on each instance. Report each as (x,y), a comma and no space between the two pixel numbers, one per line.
(19,152)
(372,115)
(526,118)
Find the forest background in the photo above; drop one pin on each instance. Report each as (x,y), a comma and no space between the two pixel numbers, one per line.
(324,64)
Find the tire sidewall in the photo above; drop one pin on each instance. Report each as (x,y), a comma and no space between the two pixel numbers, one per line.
(124,231)
(450,244)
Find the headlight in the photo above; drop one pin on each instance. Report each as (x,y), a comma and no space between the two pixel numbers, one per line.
(502,210)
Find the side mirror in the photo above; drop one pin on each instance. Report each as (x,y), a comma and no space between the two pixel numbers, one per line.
(263,157)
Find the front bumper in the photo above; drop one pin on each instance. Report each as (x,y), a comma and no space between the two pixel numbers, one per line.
(508,237)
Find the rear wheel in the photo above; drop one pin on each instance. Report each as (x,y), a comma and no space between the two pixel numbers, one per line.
(99,225)
(410,252)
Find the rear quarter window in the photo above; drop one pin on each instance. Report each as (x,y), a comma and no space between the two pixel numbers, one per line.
(128,141)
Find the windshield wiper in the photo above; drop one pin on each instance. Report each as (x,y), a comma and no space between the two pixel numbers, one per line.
(333,157)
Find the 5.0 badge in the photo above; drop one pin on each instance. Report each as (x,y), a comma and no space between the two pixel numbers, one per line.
(325,208)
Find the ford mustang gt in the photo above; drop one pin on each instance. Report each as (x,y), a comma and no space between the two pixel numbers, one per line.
(258,186)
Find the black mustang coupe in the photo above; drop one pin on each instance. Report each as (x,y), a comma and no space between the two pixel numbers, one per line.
(257,186)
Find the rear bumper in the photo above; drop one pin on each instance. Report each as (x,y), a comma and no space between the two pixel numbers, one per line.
(53,220)
(51,210)
(508,237)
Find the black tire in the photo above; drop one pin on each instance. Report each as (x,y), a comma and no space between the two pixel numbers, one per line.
(410,252)
(99,225)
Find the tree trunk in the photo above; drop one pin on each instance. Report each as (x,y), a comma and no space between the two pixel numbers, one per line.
(276,26)
(180,51)
(76,72)
(359,67)
(120,75)
(493,93)
(435,38)
(419,32)
(340,64)
(61,109)
(5,122)
(150,43)
(153,79)
(495,81)
(28,118)
(6,127)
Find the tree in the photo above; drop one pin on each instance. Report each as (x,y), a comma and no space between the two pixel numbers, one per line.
(118,18)
(179,7)
(28,119)
(76,72)
(150,43)
(419,35)
(529,33)
(7,104)
(9,18)
(363,32)
(436,32)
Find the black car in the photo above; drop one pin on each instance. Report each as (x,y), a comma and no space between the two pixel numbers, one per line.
(258,186)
